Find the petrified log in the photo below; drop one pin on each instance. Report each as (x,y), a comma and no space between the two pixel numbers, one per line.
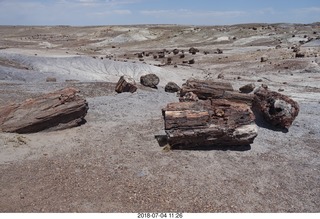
(150,80)
(126,84)
(58,110)
(209,89)
(276,108)
(209,123)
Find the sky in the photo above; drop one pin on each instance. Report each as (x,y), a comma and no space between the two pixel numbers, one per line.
(128,12)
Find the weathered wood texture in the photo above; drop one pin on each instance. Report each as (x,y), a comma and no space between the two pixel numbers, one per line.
(58,110)
(276,108)
(126,84)
(209,89)
(208,123)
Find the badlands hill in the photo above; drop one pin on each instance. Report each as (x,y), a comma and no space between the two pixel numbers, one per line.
(113,163)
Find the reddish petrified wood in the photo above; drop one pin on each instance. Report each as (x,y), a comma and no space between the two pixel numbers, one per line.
(208,123)
(126,84)
(58,110)
(276,108)
(208,89)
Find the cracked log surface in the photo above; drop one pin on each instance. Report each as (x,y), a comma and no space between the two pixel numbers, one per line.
(208,89)
(57,110)
(209,123)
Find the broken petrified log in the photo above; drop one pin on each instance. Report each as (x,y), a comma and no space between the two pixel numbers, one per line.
(150,80)
(209,123)
(276,108)
(58,110)
(126,84)
(209,89)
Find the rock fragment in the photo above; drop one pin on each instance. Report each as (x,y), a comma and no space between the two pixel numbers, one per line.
(126,84)
(276,108)
(247,88)
(150,80)
(172,87)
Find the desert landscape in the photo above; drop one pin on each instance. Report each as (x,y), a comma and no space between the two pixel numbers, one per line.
(114,162)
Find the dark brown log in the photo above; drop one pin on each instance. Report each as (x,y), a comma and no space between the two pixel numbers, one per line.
(214,90)
(276,108)
(58,110)
(209,122)
(126,84)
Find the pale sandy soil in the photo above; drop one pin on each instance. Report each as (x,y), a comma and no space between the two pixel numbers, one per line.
(113,163)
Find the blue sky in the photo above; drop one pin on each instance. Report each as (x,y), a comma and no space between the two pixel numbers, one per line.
(125,12)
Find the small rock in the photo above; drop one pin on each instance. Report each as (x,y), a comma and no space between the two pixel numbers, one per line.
(51,79)
(299,55)
(172,87)
(193,50)
(221,76)
(189,97)
(191,61)
(264,58)
(259,80)
(280,89)
(150,80)
(247,88)
(175,51)
(264,86)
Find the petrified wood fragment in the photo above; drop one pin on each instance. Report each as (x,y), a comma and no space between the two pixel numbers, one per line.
(276,108)
(209,89)
(126,84)
(209,123)
(58,110)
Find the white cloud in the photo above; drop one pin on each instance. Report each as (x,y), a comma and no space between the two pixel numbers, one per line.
(183,13)
(308,10)
(122,12)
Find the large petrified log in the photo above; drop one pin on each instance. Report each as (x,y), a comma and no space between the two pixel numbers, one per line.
(208,89)
(276,108)
(58,110)
(208,123)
